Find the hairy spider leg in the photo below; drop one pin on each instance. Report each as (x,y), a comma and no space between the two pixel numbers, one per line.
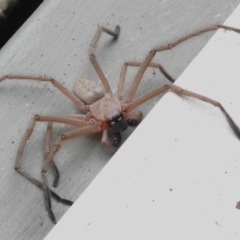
(168,46)
(138,64)
(178,90)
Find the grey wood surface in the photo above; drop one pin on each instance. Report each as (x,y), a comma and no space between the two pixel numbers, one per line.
(55,42)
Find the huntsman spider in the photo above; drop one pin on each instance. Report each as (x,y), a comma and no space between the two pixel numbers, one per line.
(104,112)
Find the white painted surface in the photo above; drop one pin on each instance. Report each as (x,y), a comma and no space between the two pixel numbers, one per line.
(55,42)
(173,179)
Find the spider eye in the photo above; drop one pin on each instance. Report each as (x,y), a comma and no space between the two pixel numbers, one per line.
(118,124)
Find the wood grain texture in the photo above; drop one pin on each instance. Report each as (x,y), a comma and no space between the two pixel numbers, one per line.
(55,42)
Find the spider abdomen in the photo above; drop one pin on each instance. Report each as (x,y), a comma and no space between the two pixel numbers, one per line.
(88,91)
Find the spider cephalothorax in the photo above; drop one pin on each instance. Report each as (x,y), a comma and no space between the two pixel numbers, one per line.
(118,123)
(110,113)
(103,112)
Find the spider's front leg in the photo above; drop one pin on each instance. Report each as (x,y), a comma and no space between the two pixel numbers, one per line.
(168,46)
(22,146)
(182,92)
(138,64)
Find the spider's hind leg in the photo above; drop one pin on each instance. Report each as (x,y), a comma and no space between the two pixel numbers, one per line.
(40,185)
(37,183)
(138,64)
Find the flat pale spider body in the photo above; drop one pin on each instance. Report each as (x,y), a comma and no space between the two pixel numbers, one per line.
(88,91)
(103,107)
(105,110)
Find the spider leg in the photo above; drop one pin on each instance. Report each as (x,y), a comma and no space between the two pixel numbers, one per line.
(48,141)
(138,64)
(23,143)
(60,119)
(26,175)
(47,162)
(145,97)
(169,46)
(40,185)
(93,59)
(74,120)
(68,135)
(47,150)
(58,85)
